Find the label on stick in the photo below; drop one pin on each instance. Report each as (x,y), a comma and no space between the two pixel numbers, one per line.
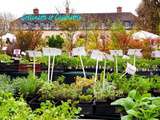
(116,52)
(130,69)
(98,55)
(79,51)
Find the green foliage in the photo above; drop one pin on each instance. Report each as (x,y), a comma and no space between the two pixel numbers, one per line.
(12,109)
(5,84)
(27,86)
(5,58)
(106,90)
(155,82)
(48,111)
(86,98)
(140,83)
(139,106)
(55,41)
(59,91)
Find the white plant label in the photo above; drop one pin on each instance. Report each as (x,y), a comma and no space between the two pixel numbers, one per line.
(33,53)
(155,54)
(109,57)
(79,51)
(16,51)
(98,55)
(37,53)
(46,51)
(51,51)
(116,52)
(130,69)
(136,52)
(55,51)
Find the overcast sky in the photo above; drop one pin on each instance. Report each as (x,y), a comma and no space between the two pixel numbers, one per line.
(20,7)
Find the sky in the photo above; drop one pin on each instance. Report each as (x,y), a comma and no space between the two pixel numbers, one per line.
(21,7)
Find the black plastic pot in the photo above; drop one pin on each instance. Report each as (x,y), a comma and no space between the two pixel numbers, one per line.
(155,92)
(98,110)
(86,108)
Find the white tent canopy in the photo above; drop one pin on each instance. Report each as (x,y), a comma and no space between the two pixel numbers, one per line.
(9,36)
(144,35)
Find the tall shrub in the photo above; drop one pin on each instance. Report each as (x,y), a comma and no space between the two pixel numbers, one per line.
(28,39)
(120,38)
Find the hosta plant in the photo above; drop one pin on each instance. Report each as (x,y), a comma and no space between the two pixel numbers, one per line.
(139,107)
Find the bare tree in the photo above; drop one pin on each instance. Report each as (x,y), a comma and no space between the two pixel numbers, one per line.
(149,15)
(5,19)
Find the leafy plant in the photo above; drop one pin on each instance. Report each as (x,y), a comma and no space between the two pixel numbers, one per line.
(83,82)
(86,98)
(126,84)
(139,106)
(27,86)
(155,82)
(57,91)
(12,109)
(5,84)
(5,58)
(17,109)
(106,90)
(55,41)
(48,111)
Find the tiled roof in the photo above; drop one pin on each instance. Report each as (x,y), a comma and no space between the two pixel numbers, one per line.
(124,16)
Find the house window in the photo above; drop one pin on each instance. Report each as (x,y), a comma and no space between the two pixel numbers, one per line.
(25,26)
(47,26)
(103,26)
(127,24)
(37,26)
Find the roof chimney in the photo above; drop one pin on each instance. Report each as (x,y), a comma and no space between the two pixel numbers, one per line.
(67,7)
(35,11)
(67,10)
(119,9)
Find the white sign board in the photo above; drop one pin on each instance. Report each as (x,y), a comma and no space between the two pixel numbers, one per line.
(98,55)
(116,52)
(16,51)
(46,51)
(51,51)
(109,57)
(33,53)
(79,51)
(155,54)
(136,52)
(130,69)
(55,51)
